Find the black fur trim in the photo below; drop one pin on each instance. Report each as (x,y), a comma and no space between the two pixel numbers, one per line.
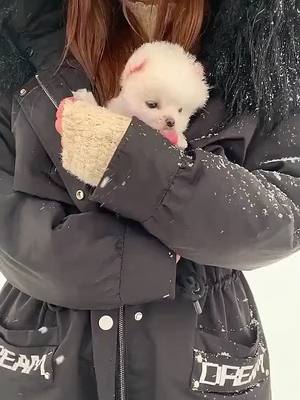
(253,50)
(15,69)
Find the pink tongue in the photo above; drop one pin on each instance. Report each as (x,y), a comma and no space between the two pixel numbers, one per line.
(172,136)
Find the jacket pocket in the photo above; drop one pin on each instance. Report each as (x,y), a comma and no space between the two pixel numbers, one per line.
(229,367)
(26,361)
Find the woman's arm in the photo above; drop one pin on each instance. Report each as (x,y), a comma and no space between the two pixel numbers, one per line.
(52,252)
(205,207)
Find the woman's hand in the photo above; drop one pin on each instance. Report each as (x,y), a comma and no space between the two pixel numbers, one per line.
(59,114)
(90,136)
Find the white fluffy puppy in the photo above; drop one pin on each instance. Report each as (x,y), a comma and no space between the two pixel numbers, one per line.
(163,86)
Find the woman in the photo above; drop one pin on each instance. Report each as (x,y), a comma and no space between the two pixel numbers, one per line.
(95,306)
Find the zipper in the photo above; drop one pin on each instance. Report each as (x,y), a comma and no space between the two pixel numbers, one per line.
(122,354)
(46,91)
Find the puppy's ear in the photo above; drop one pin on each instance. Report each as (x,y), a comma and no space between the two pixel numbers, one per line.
(133,66)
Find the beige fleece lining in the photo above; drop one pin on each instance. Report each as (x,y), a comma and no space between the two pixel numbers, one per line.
(91,135)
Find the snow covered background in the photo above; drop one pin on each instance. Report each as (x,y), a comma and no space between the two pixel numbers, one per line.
(277,292)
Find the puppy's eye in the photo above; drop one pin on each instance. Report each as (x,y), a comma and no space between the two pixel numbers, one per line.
(152,104)
(180,110)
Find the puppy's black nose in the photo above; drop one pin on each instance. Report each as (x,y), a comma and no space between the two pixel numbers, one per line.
(170,122)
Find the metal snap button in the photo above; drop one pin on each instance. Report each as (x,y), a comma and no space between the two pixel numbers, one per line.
(138,316)
(23,92)
(80,195)
(106,323)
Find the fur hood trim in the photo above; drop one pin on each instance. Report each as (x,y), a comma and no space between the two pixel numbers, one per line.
(14,67)
(22,23)
(253,52)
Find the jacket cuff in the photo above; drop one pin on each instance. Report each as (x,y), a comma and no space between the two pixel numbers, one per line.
(90,136)
(148,268)
(139,174)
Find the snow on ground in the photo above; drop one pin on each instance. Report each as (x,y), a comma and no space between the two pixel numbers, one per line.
(277,292)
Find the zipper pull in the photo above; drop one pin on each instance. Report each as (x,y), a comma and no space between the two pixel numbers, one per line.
(195,292)
(197,307)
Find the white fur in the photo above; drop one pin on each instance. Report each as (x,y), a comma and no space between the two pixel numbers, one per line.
(169,76)
(84,95)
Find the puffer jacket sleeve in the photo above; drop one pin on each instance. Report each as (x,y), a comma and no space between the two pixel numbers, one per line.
(82,260)
(206,206)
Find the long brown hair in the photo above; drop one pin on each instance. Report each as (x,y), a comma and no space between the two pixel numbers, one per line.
(102,34)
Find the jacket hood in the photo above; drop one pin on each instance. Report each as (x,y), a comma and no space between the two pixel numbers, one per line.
(252,48)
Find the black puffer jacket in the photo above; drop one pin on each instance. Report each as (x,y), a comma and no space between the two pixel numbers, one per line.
(91,292)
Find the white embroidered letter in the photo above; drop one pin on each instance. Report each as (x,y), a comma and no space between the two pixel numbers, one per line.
(204,374)
(225,376)
(5,357)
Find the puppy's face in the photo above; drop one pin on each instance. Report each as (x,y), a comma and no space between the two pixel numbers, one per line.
(161,101)
(155,107)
